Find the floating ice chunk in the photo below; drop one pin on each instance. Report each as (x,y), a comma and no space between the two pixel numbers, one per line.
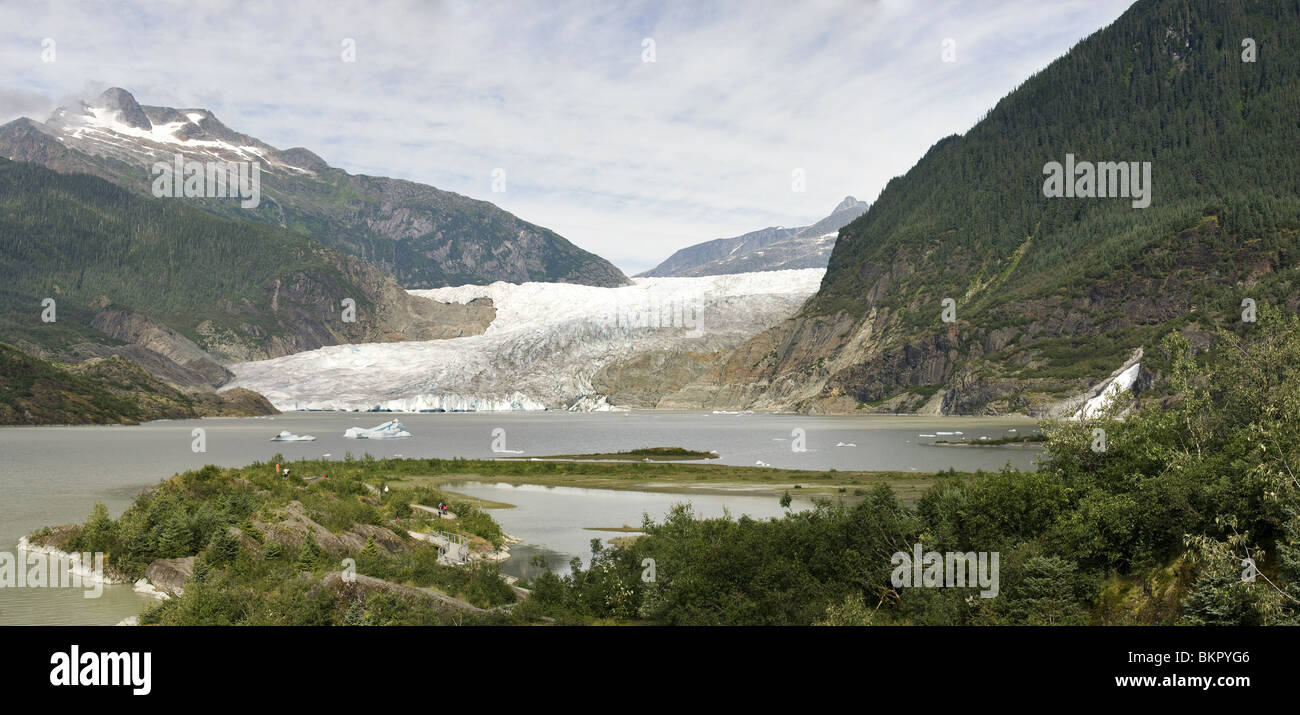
(388,430)
(291,437)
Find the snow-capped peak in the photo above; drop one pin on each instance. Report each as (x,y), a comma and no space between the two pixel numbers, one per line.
(116,125)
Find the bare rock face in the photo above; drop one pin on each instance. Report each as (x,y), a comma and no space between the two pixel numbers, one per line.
(246,542)
(170,575)
(358,586)
(129,111)
(296,526)
(644,381)
(159,339)
(197,376)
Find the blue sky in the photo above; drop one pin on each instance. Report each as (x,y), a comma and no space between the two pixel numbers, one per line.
(627,158)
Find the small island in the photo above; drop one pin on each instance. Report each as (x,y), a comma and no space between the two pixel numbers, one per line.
(1028,440)
(644,454)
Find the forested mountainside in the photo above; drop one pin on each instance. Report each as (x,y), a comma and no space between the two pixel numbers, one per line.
(423,236)
(179,291)
(35,391)
(1052,294)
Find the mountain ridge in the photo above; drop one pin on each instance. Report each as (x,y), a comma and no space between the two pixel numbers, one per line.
(179,291)
(424,236)
(774,248)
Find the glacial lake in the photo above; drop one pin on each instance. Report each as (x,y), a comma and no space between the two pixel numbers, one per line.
(559,522)
(54,475)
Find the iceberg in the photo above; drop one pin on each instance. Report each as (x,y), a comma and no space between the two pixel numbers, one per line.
(291,437)
(388,430)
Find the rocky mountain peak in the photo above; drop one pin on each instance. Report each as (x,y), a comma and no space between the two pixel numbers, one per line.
(848,203)
(130,111)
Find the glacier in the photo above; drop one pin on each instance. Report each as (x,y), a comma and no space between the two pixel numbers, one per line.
(541,350)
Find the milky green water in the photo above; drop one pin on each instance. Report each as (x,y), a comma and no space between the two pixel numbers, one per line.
(54,475)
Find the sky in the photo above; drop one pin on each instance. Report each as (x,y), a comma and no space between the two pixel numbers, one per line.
(631,128)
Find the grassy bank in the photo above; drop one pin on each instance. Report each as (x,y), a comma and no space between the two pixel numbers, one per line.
(645,454)
(641,476)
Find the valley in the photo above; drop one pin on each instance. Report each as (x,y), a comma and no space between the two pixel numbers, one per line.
(1062,334)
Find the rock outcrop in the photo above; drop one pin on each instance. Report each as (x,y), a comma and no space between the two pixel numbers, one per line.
(295,527)
(169,575)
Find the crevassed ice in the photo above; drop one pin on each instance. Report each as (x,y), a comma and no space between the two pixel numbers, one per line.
(541,351)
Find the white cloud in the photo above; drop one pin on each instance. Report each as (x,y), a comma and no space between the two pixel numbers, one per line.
(627,159)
